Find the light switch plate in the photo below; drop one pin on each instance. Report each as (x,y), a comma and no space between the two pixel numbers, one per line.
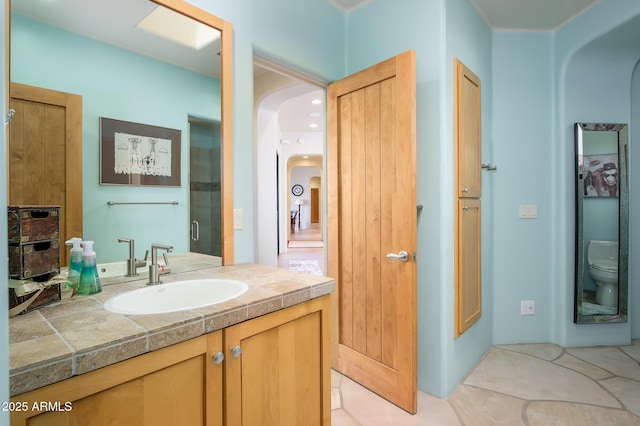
(238,220)
(527,307)
(528,211)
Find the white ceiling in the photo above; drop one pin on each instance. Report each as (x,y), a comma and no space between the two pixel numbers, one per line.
(535,15)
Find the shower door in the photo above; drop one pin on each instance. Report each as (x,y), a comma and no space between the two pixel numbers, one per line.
(205,200)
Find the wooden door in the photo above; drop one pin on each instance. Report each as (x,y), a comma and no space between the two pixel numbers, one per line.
(372,212)
(315,205)
(45,155)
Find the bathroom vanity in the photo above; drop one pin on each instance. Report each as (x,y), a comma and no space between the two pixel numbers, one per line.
(261,358)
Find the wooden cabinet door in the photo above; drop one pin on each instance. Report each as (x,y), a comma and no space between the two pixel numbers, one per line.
(467,131)
(468,278)
(178,385)
(468,149)
(280,375)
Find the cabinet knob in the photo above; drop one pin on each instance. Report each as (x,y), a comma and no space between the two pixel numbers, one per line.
(236,351)
(465,190)
(218,358)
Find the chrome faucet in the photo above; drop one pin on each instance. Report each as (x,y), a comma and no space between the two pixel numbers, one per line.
(155,270)
(132,263)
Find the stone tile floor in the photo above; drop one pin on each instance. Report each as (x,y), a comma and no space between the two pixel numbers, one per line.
(537,384)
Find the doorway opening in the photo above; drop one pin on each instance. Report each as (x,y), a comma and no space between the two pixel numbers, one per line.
(290,168)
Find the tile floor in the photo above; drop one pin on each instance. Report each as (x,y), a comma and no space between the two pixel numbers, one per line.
(538,384)
(542,384)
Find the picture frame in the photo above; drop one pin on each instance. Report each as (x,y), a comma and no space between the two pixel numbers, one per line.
(137,154)
(601,176)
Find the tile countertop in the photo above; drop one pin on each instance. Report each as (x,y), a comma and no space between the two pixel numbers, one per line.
(78,335)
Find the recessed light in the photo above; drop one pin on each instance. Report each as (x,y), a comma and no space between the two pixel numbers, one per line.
(313,125)
(316,101)
(178,28)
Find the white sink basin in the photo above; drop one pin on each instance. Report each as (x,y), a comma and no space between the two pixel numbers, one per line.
(176,296)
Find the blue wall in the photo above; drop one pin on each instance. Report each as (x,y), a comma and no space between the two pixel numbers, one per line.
(522,66)
(272,29)
(594,60)
(118,84)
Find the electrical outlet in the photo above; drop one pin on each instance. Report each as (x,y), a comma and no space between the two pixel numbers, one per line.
(527,307)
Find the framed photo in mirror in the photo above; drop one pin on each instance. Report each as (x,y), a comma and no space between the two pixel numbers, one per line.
(601,175)
(139,154)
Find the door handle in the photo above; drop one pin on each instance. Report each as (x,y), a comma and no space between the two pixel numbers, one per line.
(195,230)
(403,255)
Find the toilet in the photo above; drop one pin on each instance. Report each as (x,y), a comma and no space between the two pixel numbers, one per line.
(602,257)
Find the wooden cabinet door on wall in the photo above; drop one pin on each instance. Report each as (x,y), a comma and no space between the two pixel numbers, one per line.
(468,283)
(468,187)
(467,131)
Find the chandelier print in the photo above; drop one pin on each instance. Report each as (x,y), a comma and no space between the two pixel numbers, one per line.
(144,155)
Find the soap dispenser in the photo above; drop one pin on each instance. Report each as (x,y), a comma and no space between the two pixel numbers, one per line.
(89,280)
(75,262)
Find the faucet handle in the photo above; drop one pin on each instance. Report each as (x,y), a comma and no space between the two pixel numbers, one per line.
(146,255)
(166,259)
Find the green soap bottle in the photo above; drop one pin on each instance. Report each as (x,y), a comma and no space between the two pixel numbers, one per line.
(75,262)
(89,280)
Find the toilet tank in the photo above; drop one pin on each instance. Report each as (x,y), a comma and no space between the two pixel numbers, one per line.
(602,250)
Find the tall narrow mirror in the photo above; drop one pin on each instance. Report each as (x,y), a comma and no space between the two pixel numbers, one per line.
(122,69)
(602,223)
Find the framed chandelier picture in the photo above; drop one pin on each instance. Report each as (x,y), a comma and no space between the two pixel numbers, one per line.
(138,154)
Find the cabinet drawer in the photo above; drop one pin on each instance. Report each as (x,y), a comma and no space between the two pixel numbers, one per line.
(33,223)
(32,260)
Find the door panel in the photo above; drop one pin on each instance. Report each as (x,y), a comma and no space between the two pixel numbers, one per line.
(468,131)
(45,155)
(468,282)
(372,211)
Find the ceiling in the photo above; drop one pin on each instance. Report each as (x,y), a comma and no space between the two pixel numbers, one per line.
(532,15)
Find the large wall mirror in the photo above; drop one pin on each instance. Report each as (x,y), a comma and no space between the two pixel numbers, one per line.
(602,223)
(98,51)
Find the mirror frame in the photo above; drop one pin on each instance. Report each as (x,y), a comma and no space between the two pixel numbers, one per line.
(226,78)
(623,223)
